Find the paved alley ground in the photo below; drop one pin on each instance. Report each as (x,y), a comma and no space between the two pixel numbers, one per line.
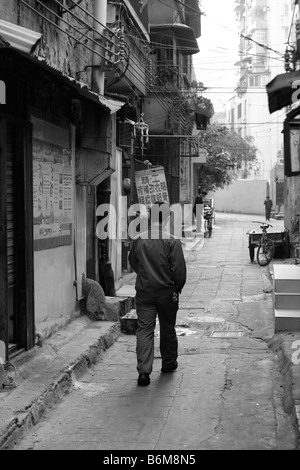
(227,391)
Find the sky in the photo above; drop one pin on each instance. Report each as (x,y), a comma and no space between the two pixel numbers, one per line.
(218,44)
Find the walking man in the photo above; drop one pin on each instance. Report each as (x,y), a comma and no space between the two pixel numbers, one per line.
(157,258)
(268,206)
(198,208)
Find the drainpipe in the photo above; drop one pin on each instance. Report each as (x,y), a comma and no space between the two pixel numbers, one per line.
(100,13)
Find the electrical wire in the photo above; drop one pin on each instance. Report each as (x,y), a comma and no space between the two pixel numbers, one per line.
(139,70)
(91,16)
(91,28)
(261,45)
(246,37)
(182,3)
(162,87)
(62,30)
(71,8)
(139,73)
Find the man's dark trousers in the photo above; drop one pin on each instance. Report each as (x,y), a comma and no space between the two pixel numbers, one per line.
(147,307)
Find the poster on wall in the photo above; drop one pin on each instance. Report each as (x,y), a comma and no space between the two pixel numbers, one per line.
(151,186)
(52,195)
(295,148)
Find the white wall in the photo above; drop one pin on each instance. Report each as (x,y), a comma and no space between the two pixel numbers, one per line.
(54,267)
(116,217)
(55,294)
(241,197)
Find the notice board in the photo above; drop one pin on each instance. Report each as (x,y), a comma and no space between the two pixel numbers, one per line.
(151,186)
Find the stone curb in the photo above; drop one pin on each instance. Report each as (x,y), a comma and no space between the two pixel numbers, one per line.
(56,389)
(281,345)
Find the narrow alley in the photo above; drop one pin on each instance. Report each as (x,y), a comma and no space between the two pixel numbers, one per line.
(227,391)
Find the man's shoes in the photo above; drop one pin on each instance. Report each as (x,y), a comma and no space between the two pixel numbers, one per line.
(144,379)
(171,368)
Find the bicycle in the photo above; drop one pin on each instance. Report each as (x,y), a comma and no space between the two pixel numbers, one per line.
(208,217)
(265,251)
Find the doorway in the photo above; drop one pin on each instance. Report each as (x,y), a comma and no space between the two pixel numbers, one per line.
(16,237)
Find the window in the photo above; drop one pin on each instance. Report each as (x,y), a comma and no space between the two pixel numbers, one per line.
(254,81)
(239,111)
(232,116)
(261,36)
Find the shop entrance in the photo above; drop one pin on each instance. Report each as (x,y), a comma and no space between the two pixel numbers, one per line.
(16,240)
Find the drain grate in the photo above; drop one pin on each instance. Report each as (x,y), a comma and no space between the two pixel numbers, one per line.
(226,334)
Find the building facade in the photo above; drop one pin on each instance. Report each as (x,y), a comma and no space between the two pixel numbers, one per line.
(264,30)
(172,99)
(57,146)
(283,96)
(77,80)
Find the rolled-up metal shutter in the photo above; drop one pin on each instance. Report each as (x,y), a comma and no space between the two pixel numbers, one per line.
(11,209)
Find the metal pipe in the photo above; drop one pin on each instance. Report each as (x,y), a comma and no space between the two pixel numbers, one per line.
(79,20)
(100,14)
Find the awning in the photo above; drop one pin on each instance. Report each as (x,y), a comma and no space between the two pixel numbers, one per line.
(16,36)
(93,167)
(280,90)
(185,36)
(18,42)
(80,88)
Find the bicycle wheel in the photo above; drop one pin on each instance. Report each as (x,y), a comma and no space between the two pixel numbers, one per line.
(251,252)
(11,373)
(265,252)
(209,227)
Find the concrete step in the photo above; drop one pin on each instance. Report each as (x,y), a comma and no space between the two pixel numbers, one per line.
(286,278)
(287,320)
(286,300)
(126,291)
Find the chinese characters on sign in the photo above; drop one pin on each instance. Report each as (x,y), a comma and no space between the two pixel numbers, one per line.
(52,191)
(151,186)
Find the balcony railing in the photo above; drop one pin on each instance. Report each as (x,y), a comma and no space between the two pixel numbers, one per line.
(164,76)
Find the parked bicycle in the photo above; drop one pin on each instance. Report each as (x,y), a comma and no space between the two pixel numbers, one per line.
(208,218)
(265,250)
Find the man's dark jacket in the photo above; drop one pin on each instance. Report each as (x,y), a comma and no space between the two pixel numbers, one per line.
(159,264)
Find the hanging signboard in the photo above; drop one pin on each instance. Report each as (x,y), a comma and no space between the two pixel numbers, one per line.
(151,186)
